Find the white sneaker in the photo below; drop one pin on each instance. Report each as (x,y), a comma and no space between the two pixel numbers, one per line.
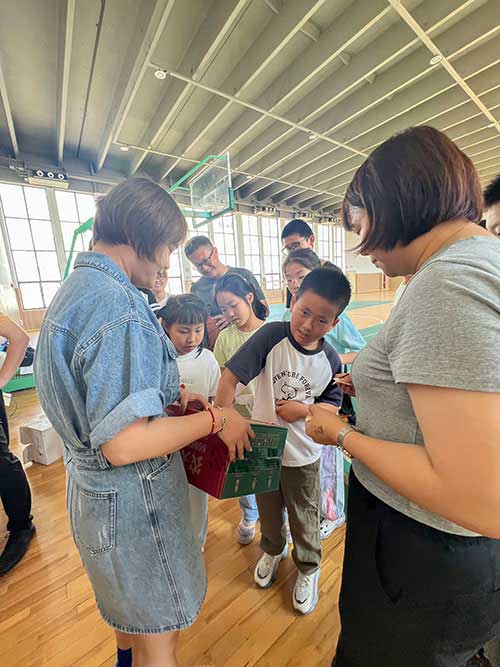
(326,528)
(266,569)
(305,592)
(245,533)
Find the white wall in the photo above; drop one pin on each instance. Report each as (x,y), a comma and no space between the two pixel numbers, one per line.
(354,262)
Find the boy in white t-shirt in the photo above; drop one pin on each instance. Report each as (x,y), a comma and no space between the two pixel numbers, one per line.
(294,367)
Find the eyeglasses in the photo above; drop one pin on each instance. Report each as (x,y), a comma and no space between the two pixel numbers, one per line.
(286,250)
(199,265)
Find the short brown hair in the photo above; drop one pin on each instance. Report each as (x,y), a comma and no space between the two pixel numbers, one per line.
(409,184)
(141,214)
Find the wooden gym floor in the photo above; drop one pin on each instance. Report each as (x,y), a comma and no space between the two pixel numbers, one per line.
(48,616)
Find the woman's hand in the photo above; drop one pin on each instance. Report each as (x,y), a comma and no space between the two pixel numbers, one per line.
(323,425)
(344,381)
(189,397)
(291,411)
(236,433)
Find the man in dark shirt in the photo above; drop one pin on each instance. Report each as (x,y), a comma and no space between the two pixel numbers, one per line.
(204,256)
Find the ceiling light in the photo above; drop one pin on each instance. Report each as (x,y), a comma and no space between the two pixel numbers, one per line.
(491,125)
(312,137)
(435,60)
(160,74)
(124,148)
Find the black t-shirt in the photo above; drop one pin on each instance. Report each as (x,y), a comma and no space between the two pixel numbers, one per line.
(204,288)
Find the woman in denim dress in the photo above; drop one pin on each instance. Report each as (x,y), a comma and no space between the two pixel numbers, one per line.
(105,373)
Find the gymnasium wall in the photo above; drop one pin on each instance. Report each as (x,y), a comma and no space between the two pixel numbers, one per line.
(364,276)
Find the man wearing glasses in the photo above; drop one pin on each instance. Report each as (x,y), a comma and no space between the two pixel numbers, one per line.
(296,234)
(204,256)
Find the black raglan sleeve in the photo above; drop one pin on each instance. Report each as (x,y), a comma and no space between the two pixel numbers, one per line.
(332,393)
(250,359)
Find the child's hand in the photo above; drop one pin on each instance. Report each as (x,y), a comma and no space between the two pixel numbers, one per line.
(236,434)
(188,397)
(344,381)
(291,411)
(221,322)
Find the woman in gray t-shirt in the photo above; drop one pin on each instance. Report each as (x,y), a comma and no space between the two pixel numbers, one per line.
(421,578)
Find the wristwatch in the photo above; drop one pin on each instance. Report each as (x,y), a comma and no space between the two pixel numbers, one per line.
(340,440)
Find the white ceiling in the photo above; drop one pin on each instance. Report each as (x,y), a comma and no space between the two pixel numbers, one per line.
(298,91)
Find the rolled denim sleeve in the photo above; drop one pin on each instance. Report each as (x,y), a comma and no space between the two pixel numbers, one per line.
(122,372)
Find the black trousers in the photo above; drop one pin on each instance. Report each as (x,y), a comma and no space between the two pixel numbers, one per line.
(413,596)
(14,488)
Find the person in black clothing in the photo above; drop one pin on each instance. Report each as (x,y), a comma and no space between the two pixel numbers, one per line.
(14,488)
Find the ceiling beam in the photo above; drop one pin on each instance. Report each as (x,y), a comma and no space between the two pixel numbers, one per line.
(131,77)
(273,141)
(308,201)
(309,29)
(8,113)
(446,122)
(213,32)
(274,38)
(390,45)
(409,112)
(430,44)
(64,66)
(393,43)
(249,105)
(389,104)
(281,94)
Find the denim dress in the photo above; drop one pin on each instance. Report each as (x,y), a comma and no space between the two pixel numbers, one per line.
(102,363)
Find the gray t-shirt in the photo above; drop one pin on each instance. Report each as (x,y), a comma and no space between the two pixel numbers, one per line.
(444,332)
(204,288)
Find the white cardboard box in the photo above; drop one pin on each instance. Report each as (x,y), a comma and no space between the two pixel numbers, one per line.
(44,445)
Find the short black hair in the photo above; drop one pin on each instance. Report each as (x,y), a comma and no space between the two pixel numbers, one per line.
(492,193)
(139,213)
(196,243)
(329,283)
(185,309)
(296,226)
(412,182)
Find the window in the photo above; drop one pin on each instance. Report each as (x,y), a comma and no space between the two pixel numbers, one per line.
(271,253)
(175,284)
(324,242)
(74,208)
(251,257)
(31,240)
(330,243)
(199,231)
(338,235)
(224,239)
(203,230)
